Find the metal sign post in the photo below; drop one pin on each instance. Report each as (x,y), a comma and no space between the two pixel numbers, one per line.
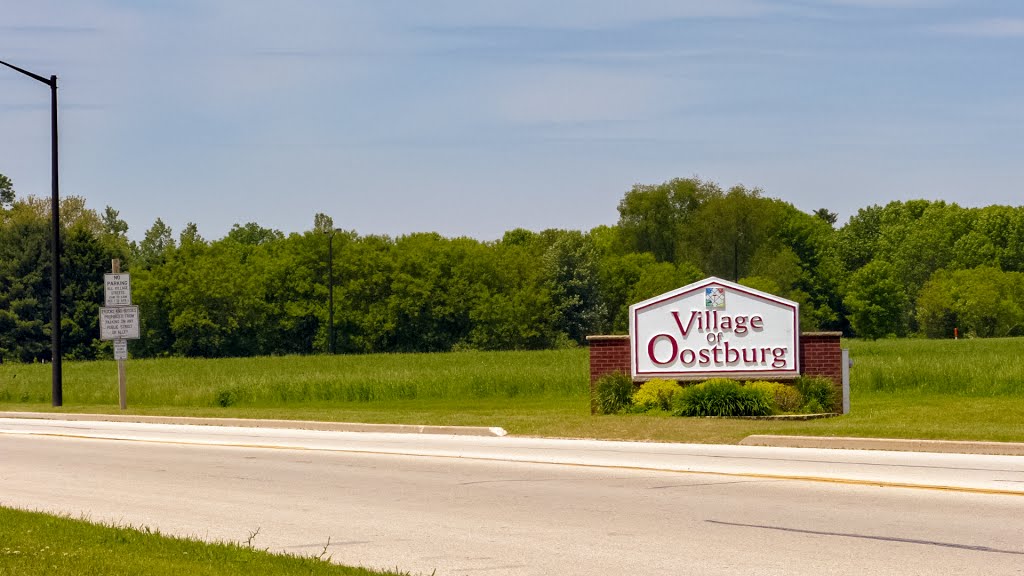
(119,321)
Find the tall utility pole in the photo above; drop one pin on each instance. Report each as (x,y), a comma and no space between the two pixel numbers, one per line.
(330,289)
(58,390)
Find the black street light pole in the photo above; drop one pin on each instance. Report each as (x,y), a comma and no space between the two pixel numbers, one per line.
(58,393)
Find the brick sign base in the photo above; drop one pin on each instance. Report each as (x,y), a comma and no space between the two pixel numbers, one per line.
(820,355)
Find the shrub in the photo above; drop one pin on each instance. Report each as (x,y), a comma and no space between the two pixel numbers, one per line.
(819,394)
(782,397)
(754,403)
(812,406)
(227,398)
(721,397)
(614,393)
(231,396)
(656,394)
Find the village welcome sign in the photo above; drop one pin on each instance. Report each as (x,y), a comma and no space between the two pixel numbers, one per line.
(714,328)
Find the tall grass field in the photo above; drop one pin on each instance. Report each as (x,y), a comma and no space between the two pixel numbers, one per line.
(978,368)
(944,389)
(303,380)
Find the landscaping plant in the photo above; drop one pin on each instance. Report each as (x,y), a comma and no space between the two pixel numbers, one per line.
(614,393)
(721,397)
(656,394)
(819,394)
(784,398)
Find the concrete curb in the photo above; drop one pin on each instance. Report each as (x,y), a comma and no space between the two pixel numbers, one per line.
(892,444)
(247,423)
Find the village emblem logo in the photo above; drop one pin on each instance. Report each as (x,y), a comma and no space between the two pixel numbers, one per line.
(714,297)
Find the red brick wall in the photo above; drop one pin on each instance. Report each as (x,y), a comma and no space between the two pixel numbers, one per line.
(607,354)
(820,355)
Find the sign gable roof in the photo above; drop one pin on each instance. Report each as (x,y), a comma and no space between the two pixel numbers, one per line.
(709,282)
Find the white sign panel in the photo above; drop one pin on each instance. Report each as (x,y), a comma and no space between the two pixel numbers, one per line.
(714,328)
(120,349)
(119,322)
(117,290)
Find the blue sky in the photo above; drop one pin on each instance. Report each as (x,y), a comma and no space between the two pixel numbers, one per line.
(476,117)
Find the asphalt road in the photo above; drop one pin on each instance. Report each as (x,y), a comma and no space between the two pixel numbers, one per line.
(460,506)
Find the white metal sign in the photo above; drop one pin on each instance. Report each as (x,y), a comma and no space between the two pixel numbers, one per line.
(714,328)
(117,290)
(119,322)
(120,349)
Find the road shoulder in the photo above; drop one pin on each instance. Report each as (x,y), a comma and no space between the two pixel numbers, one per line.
(889,444)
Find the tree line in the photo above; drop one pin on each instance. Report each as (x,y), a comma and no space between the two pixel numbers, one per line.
(907,268)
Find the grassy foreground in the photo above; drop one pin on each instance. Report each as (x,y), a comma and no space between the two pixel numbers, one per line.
(938,389)
(33,543)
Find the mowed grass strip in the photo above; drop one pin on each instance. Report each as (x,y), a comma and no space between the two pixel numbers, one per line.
(953,390)
(33,543)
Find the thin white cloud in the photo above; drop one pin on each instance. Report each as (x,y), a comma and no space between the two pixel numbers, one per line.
(985,28)
(571,95)
(576,14)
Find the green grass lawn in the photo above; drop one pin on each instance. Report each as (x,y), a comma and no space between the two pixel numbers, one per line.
(32,543)
(938,389)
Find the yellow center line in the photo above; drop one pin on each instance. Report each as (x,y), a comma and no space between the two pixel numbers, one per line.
(849,481)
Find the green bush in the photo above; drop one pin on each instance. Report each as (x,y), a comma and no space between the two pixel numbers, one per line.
(614,393)
(228,397)
(819,394)
(782,397)
(721,397)
(812,406)
(656,394)
(232,396)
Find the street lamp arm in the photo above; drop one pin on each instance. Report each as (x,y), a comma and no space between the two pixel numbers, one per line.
(51,81)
